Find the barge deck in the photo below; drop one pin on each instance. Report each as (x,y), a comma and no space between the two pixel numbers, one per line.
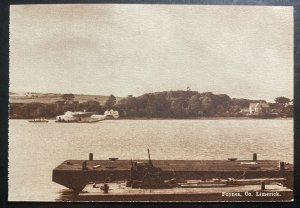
(75,174)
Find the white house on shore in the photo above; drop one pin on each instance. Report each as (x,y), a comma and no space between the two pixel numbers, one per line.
(257,108)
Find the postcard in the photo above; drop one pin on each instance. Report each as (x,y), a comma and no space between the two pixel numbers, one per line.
(151,103)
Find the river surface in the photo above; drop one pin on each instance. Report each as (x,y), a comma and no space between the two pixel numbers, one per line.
(35,149)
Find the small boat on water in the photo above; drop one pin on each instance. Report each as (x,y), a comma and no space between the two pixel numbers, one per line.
(39,120)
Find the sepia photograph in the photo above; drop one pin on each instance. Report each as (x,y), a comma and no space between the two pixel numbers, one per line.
(151,103)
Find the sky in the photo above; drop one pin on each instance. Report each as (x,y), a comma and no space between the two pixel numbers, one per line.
(242,51)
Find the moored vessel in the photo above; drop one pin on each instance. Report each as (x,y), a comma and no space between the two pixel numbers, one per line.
(182,180)
(79,117)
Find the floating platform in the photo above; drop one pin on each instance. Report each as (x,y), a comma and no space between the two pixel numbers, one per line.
(75,174)
(119,192)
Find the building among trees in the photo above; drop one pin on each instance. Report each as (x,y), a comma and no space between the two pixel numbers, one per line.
(257,108)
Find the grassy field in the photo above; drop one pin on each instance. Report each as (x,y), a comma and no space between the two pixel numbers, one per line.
(53,97)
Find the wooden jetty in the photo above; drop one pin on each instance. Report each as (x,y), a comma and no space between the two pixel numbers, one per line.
(76,174)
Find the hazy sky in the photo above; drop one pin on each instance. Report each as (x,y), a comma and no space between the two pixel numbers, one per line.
(242,51)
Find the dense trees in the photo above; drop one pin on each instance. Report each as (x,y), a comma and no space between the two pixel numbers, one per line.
(68,98)
(181,104)
(284,106)
(110,102)
(168,104)
(282,100)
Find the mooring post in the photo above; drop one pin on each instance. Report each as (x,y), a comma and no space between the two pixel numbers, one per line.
(84,165)
(263,186)
(91,156)
(105,188)
(282,165)
(254,156)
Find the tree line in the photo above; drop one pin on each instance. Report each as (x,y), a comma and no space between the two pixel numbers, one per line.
(167,104)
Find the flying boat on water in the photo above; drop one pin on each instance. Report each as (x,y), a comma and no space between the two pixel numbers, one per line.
(111,114)
(84,117)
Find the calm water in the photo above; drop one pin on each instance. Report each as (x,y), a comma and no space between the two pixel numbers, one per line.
(36,148)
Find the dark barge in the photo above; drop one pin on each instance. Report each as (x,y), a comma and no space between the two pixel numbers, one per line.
(76,174)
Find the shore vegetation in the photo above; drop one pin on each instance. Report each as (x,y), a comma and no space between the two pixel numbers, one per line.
(168,104)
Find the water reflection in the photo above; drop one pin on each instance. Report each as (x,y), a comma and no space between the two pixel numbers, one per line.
(67,195)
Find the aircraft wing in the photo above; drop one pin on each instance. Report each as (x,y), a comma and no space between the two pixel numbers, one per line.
(83,114)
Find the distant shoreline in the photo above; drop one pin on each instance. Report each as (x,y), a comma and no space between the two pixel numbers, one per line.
(174,104)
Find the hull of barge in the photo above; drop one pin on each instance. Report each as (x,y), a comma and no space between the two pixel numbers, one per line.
(74,174)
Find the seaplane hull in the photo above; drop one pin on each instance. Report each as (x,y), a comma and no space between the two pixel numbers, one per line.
(79,117)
